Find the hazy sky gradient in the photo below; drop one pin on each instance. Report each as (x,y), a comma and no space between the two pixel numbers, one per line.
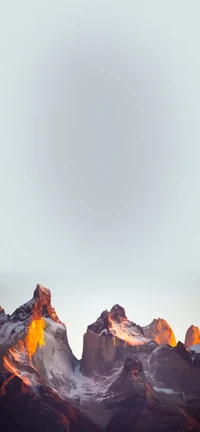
(99,166)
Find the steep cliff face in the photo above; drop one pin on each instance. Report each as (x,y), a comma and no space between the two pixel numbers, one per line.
(192,336)
(110,339)
(34,344)
(130,382)
(176,369)
(138,408)
(160,331)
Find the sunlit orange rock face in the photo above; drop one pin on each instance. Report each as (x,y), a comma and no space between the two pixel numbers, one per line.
(41,306)
(19,357)
(160,331)
(16,356)
(32,314)
(192,336)
(35,336)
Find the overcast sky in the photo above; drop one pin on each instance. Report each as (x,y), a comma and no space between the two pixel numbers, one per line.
(100,156)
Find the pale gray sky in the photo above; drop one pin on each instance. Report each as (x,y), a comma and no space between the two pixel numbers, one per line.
(99,166)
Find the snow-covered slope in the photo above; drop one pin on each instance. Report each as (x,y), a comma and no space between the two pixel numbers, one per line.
(54,360)
(127,332)
(195,348)
(120,327)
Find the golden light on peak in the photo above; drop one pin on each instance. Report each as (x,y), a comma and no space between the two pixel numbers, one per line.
(35,336)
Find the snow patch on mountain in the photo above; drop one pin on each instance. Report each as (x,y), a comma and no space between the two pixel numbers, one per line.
(87,388)
(164,390)
(125,331)
(195,348)
(55,360)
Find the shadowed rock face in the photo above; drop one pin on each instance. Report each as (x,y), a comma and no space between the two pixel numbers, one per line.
(183,353)
(22,409)
(192,336)
(3,318)
(174,368)
(2,312)
(117,313)
(133,364)
(196,360)
(131,382)
(137,408)
(160,331)
(101,324)
(191,357)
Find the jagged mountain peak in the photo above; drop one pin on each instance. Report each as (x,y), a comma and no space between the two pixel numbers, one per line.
(116,323)
(132,363)
(181,350)
(130,385)
(108,338)
(192,336)
(159,320)
(117,313)
(42,297)
(36,308)
(42,292)
(31,341)
(194,327)
(104,321)
(160,331)
(138,406)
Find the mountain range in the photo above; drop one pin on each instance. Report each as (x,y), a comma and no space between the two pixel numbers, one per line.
(130,378)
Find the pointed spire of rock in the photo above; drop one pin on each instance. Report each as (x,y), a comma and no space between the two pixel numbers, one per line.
(160,331)
(42,304)
(117,313)
(44,294)
(101,323)
(133,364)
(192,336)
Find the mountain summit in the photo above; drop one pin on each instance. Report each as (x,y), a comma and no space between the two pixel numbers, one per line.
(108,340)
(33,341)
(192,336)
(160,331)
